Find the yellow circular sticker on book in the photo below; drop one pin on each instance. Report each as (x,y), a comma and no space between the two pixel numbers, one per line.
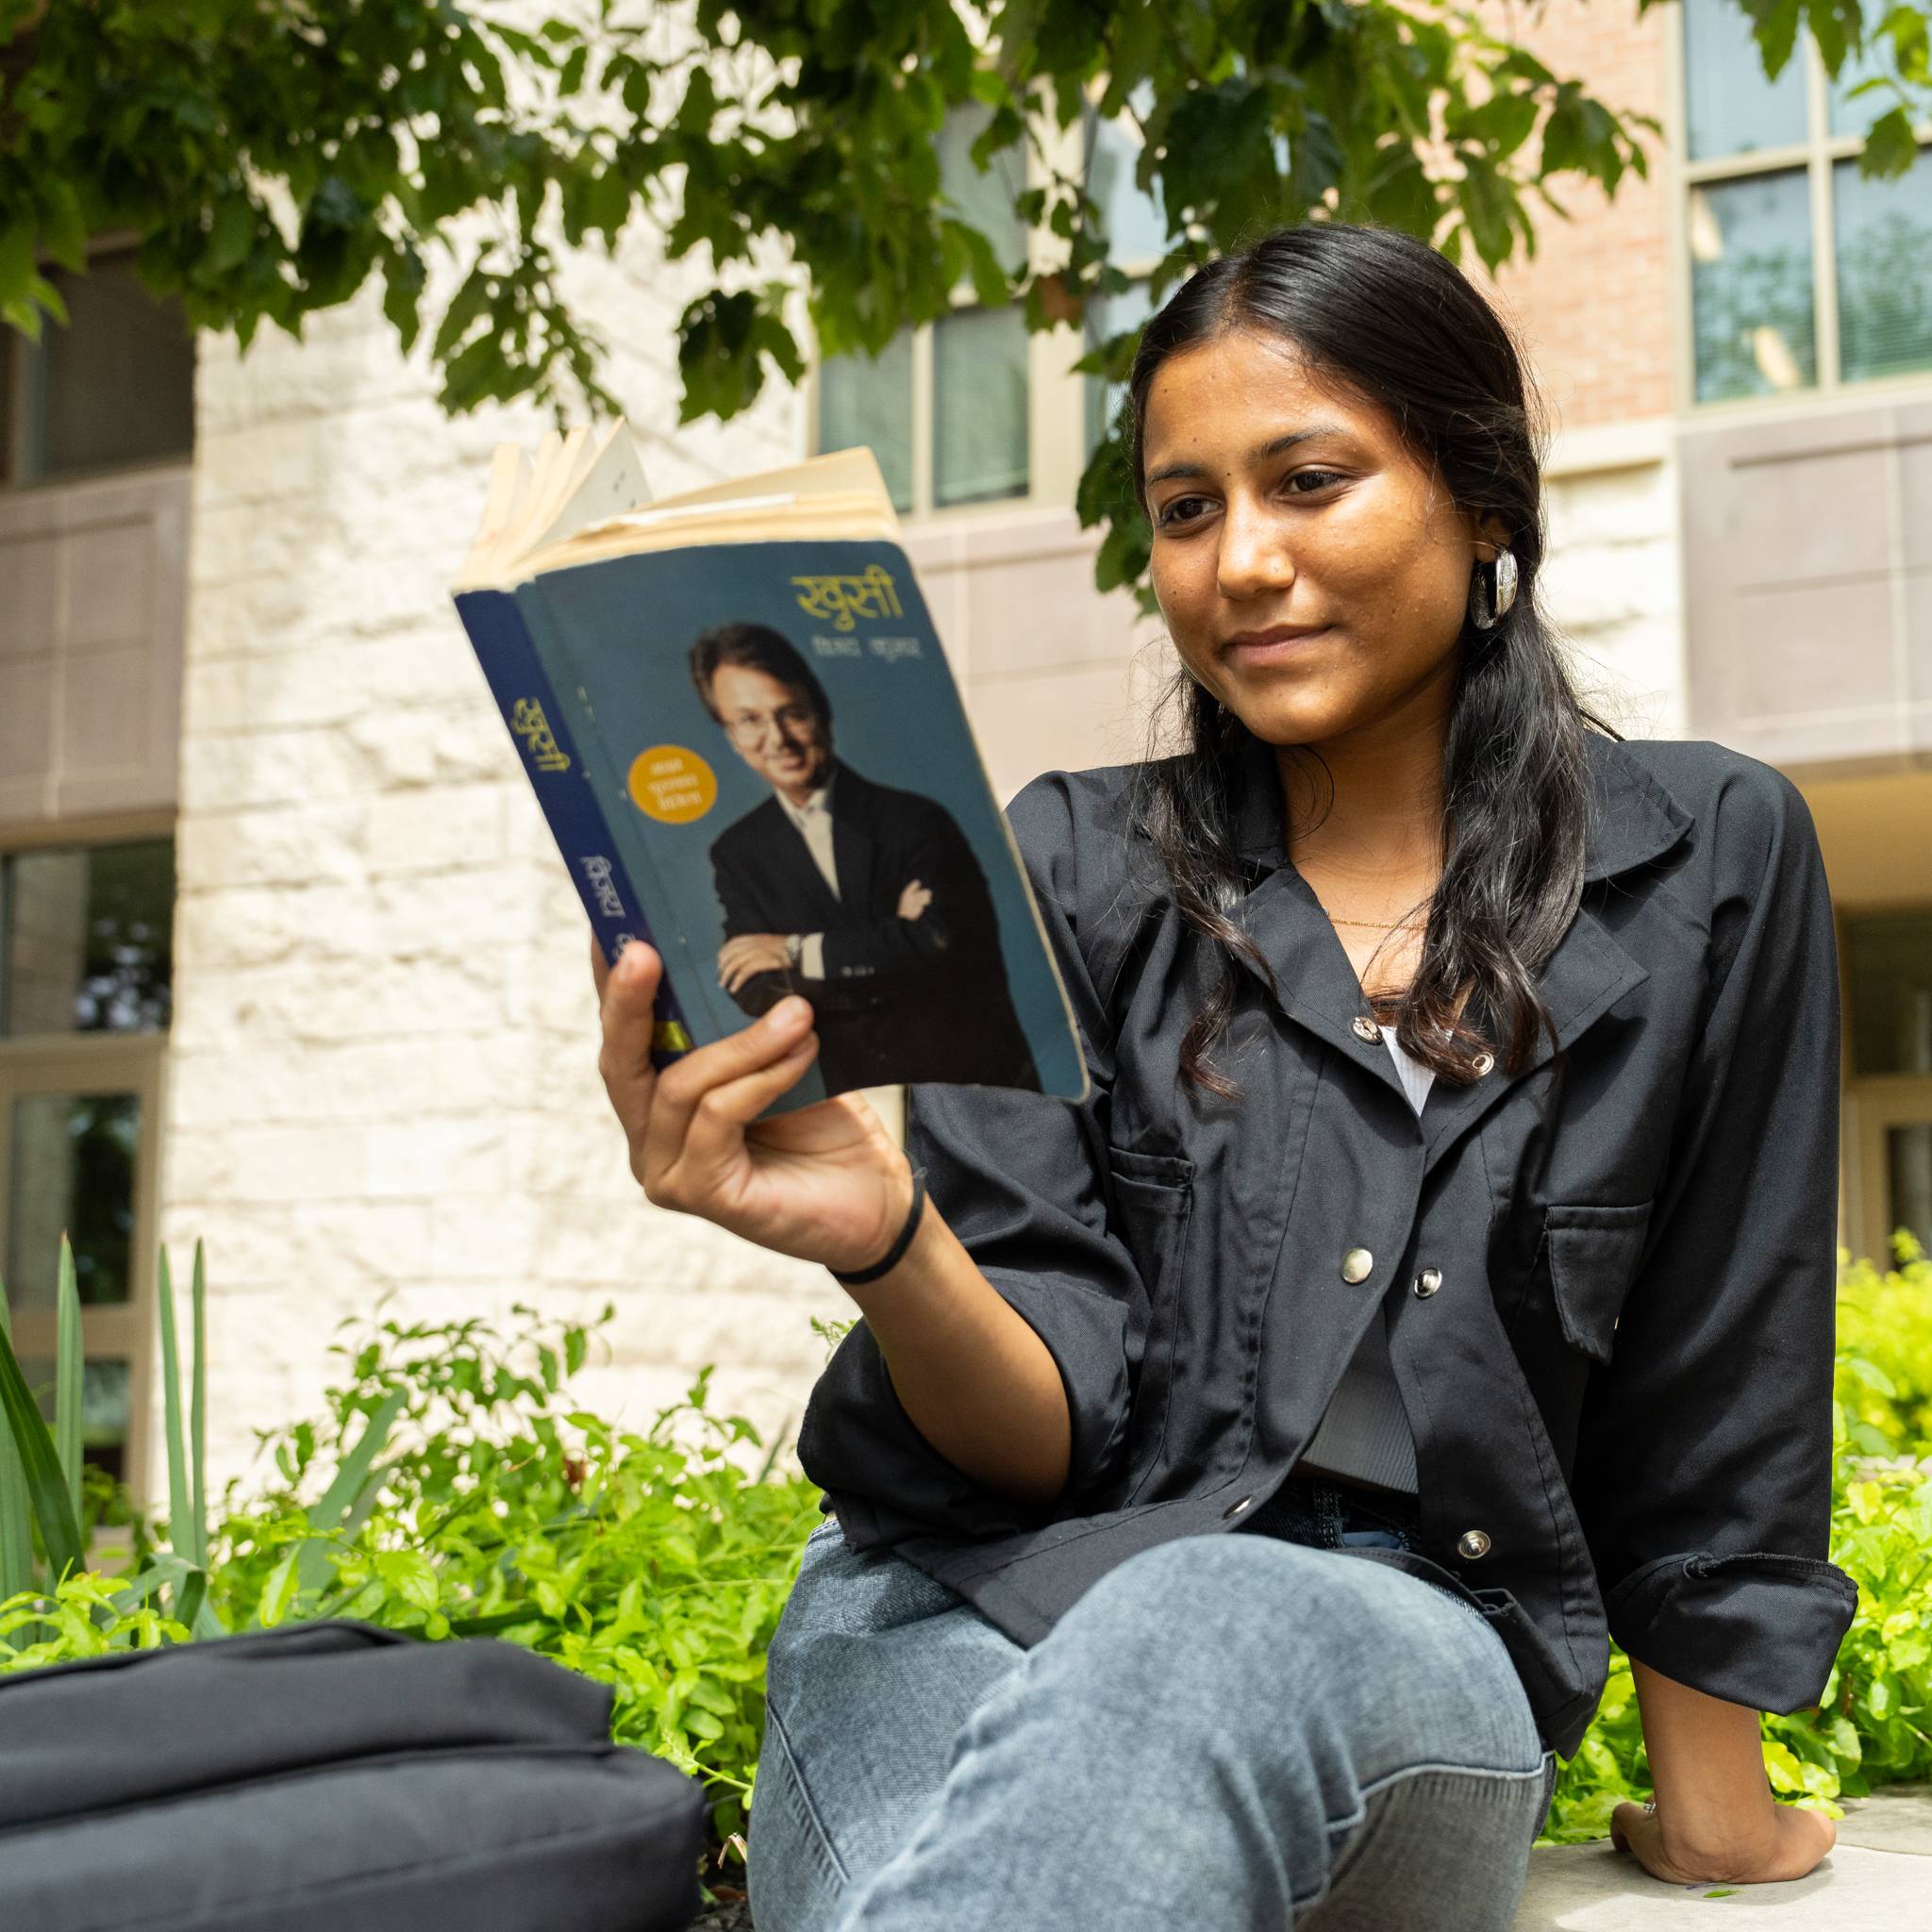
(672,785)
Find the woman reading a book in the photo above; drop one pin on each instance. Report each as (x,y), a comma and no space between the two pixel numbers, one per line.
(1236,1478)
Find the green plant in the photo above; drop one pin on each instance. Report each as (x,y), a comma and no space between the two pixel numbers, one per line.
(449,1488)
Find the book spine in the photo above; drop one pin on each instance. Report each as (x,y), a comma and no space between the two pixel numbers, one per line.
(539,727)
(607,781)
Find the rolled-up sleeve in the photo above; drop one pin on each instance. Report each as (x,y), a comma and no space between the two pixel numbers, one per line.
(1703,1466)
(1021,1180)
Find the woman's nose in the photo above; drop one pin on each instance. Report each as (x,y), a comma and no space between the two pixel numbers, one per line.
(1253,554)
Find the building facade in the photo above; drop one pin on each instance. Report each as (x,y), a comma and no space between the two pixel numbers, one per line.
(288,960)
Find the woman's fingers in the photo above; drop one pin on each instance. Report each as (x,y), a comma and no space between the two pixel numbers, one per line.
(715,1138)
(685,1086)
(628,994)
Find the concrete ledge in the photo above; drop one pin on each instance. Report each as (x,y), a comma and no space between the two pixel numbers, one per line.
(1878,1878)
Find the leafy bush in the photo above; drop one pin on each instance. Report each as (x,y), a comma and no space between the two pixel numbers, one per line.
(450,1488)
(1874,1725)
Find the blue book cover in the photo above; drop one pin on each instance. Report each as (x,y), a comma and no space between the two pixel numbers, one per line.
(781,753)
(558,775)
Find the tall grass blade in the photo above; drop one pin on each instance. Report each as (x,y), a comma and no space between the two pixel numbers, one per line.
(69,1356)
(16,1529)
(180,1536)
(197,1409)
(340,1500)
(41,1466)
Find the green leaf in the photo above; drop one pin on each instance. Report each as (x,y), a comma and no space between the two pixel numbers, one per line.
(180,1497)
(41,1466)
(69,1376)
(197,1409)
(17,274)
(231,234)
(279,1591)
(16,1523)
(1892,147)
(345,1492)
(63,229)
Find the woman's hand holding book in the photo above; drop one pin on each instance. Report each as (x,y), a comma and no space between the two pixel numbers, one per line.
(826,1183)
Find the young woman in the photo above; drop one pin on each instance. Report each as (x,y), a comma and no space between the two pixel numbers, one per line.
(1236,1476)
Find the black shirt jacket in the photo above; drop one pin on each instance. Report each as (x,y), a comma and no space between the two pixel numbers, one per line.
(1621,1384)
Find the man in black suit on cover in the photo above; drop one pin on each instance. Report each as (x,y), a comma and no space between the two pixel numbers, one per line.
(866,900)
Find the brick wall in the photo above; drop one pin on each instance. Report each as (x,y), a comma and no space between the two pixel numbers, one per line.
(1593,306)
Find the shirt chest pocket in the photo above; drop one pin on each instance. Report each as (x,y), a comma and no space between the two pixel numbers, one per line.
(1592,1254)
(1152,1199)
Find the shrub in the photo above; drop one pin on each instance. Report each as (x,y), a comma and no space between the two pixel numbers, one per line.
(450,1488)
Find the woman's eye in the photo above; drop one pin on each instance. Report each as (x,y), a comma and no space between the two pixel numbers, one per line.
(1319,478)
(1176,510)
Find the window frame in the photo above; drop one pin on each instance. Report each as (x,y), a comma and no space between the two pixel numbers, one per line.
(16,365)
(1818,154)
(83,1063)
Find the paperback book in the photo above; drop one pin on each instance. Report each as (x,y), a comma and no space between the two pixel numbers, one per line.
(739,720)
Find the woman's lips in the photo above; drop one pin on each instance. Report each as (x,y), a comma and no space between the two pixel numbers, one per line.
(1267,646)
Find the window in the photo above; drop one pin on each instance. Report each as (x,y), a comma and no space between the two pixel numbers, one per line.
(1804,275)
(947,406)
(113,390)
(972,409)
(85,998)
(1888,975)
(1137,241)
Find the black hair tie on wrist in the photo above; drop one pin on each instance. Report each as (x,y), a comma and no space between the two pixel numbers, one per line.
(896,1253)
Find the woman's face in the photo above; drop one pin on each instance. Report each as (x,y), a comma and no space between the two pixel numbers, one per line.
(1314,576)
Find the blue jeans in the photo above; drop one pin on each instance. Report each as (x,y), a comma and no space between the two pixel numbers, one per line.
(1232,1733)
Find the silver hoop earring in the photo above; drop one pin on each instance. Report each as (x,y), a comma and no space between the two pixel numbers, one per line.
(1488,606)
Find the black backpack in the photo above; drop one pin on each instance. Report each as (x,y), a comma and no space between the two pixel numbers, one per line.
(332,1775)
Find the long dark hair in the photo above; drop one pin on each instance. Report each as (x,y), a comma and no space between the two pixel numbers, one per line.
(1397,323)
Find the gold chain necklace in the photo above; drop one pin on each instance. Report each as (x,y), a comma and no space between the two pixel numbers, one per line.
(1377,925)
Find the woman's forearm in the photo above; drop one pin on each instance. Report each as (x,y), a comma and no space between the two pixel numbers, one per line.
(1706,1763)
(971,1372)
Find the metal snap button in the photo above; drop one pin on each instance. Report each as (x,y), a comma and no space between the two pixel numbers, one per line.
(1484,1062)
(1236,1508)
(1428,1281)
(1366,1029)
(1357,1265)
(1473,1544)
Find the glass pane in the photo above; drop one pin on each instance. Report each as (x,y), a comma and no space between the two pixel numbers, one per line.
(1750,286)
(1855,117)
(1909,1152)
(104,1392)
(116,386)
(1889,991)
(862,401)
(1731,108)
(1884,270)
(1108,316)
(89,938)
(1136,228)
(73,1162)
(985,201)
(979,405)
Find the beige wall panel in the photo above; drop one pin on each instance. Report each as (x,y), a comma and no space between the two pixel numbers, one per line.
(1807,636)
(85,566)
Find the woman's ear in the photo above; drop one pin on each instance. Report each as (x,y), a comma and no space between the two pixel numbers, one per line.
(1492,535)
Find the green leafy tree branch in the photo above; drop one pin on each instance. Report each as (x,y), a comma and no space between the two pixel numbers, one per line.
(269,158)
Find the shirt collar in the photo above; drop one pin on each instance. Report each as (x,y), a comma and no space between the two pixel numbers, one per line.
(1630,817)
(816,802)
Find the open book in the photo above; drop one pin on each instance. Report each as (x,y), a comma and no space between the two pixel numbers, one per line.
(736,714)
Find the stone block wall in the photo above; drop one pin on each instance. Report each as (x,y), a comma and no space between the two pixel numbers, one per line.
(382,1072)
